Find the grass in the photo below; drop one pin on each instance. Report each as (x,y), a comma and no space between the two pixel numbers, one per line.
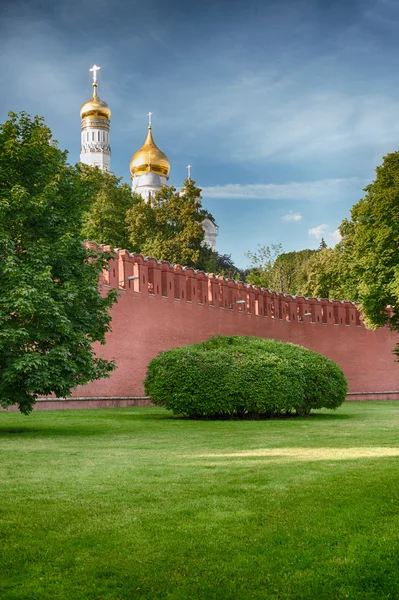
(133,503)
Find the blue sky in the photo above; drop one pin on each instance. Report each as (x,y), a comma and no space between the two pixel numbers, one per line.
(283,108)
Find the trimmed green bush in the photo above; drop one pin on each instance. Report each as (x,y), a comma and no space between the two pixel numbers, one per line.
(239,376)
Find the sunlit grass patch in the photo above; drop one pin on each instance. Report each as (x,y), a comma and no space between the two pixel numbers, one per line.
(307,454)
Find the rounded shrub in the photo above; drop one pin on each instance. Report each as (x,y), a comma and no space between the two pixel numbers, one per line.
(239,376)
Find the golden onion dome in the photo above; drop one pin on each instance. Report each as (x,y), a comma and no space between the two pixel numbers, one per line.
(149,158)
(95,107)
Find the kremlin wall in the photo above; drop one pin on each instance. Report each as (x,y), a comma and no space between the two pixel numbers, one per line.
(163,306)
(166,305)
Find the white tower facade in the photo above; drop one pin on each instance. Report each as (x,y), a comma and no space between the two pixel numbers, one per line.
(95,114)
(148,184)
(210,234)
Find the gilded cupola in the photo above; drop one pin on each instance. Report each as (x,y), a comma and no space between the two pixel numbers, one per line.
(149,158)
(95,107)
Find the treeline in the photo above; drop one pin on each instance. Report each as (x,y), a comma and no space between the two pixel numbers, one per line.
(316,273)
(363,267)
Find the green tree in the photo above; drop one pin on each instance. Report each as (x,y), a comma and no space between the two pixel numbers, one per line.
(290,271)
(105,219)
(51,310)
(327,275)
(169,225)
(262,262)
(322,245)
(219,264)
(370,242)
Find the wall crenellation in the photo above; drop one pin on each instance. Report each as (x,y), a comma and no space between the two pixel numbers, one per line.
(161,279)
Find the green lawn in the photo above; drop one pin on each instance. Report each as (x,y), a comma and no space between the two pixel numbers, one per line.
(134,503)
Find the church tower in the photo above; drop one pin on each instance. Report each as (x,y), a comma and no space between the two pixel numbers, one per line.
(95,117)
(149,167)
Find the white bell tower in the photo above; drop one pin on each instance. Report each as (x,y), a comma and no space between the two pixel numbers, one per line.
(95,124)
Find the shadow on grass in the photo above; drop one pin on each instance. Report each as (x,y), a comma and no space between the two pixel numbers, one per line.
(126,414)
(293,418)
(16,430)
(73,427)
(328,417)
(78,423)
(44,431)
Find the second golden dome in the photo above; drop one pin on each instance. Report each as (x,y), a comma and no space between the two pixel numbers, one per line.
(149,158)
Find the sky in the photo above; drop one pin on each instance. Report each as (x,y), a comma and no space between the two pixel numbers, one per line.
(283,107)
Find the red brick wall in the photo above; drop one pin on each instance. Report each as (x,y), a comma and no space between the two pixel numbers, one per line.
(169,306)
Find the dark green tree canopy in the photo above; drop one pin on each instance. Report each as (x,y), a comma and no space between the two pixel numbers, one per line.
(323,244)
(51,311)
(219,264)
(370,243)
(105,218)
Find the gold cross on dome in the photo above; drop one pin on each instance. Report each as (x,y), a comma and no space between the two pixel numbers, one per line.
(149,115)
(94,70)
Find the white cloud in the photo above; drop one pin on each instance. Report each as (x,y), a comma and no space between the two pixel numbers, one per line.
(229,109)
(296,190)
(291,216)
(322,231)
(335,236)
(292,124)
(318,231)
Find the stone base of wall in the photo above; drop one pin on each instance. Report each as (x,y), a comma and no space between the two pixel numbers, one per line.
(119,402)
(361,396)
(85,402)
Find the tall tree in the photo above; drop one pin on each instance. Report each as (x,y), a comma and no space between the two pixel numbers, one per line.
(323,244)
(370,242)
(105,219)
(51,310)
(168,225)
(290,271)
(327,276)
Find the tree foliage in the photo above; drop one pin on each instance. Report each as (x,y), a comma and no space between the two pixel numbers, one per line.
(281,271)
(327,276)
(169,225)
(219,264)
(323,244)
(370,242)
(51,311)
(262,263)
(105,219)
